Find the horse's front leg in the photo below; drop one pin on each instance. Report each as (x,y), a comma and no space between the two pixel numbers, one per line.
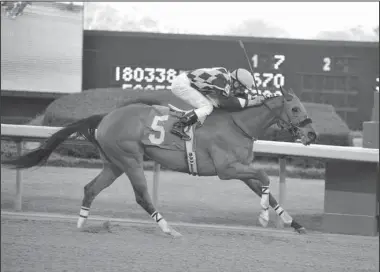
(247,172)
(288,220)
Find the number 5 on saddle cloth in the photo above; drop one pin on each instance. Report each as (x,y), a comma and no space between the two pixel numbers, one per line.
(157,133)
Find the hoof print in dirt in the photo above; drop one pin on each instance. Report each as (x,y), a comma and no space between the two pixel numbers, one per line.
(105,227)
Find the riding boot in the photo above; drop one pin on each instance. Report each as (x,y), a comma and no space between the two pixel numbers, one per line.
(178,128)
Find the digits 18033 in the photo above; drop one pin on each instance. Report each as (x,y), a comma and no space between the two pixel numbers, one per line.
(146,75)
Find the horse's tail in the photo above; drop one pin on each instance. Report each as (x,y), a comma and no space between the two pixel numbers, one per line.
(84,127)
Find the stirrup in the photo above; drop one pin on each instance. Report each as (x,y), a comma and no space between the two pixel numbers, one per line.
(183,135)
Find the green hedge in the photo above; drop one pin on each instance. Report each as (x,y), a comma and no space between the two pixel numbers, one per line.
(331,128)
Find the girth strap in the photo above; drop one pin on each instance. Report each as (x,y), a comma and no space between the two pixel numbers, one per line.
(190,152)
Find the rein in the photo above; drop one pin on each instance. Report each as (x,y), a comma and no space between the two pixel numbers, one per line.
(242,129)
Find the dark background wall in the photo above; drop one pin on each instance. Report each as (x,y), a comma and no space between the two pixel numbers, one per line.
(342,74)
(140,60)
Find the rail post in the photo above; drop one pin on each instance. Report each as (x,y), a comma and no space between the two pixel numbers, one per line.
(282,187)
(18,197)
(156,177)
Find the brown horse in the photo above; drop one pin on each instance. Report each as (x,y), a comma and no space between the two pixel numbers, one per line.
(224,147)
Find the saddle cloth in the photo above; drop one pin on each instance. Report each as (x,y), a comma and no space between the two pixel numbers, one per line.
(157,133)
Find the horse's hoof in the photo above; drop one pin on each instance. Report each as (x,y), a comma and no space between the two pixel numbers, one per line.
(264,217)
(301,230)
(298,228)
(107,226)
(80,223)
(264,222)
(174,233)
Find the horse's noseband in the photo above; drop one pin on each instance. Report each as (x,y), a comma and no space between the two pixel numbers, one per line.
(305,122)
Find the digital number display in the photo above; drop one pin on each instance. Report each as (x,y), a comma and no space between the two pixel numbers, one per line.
(342,74)
(268,83)
(147,78)
(340,64)
(272,62)
(268,78)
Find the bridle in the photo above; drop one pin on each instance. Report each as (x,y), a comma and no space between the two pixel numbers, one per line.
(292,128)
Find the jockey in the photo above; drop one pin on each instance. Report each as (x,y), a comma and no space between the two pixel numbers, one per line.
(205,88)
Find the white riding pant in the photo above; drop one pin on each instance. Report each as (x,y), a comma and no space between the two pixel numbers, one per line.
(181,88)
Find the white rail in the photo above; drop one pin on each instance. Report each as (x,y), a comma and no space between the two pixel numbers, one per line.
(267,147)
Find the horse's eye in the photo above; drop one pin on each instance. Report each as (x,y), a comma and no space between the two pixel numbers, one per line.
(295,110)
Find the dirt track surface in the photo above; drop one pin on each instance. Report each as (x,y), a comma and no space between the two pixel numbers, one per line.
(43,245)
(181,197)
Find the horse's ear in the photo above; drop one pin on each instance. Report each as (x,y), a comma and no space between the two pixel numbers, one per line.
(286,94)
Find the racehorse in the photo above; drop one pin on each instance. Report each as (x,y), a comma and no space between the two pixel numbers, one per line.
(224,147)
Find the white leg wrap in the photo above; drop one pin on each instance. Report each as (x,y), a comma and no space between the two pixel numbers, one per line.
(264,214)
(160,221)
(285,217)
(83,214)
(265,197)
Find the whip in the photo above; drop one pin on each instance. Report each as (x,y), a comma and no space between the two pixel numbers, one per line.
(249,63)
(250,66)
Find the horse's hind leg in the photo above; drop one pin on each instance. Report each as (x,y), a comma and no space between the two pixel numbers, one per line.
(105,178)
(130,159)
(255,186)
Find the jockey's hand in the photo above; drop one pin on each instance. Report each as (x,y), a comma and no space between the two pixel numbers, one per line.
(245,94)
(255,100)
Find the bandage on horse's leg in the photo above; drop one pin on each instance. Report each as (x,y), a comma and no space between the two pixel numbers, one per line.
(105,178)
(264,214)
(246,172)
(255,186)
(265,191)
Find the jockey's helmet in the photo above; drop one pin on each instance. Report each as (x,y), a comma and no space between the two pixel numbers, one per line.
(242,82)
